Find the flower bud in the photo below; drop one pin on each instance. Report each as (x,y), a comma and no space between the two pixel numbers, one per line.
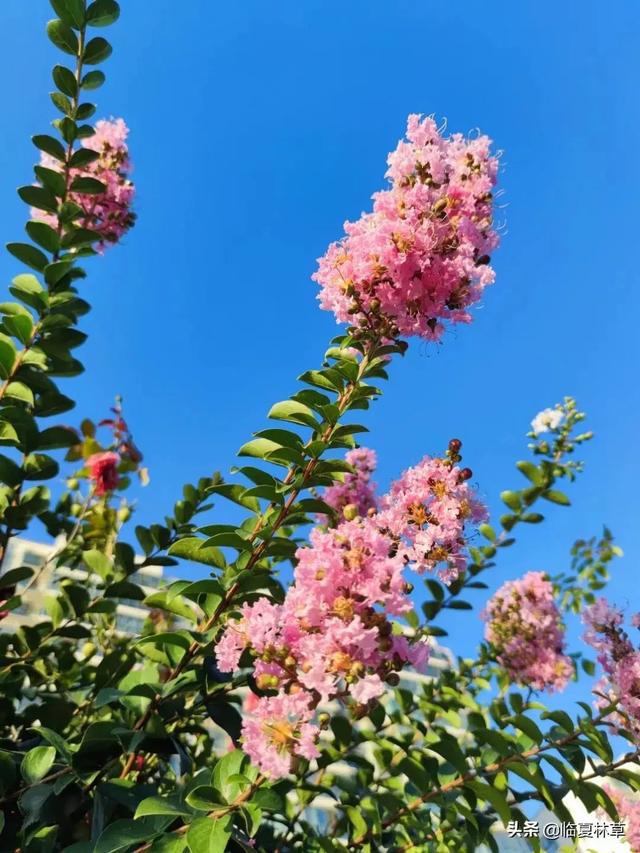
(124,514)
(72,483)
(350,512)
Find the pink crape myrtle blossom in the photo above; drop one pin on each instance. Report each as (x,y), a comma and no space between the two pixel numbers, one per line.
(276,730)
(331,637)
(629,810)
(334,635)
(108,213)
(103,470)
(357,494)
(524,628)
(620,661)
(427,510)
(421,257)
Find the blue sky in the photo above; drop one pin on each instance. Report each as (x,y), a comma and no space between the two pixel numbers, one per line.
(256,129)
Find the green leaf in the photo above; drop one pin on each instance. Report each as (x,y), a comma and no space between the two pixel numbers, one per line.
(125,589)
(39,466)
(293,411)
(531,472)
(83,157)
(28,254)
(37,763)
(512,500)
(283,437)
(488,532)
(493,796)
(556,497)
(27,288)
(166,844)
(159,600)
(93,80)
(533,517)
(588,666)
(97,562)
(63,36)
(206,835)
(101,13)
(51,179)
(85,111)
(161,805)
(235,493)
(71,11)
(268,799)
(448,748)
(56,438)
(258,448)
(65,80)
(228,767)
(561,718)
(13,576)
(8,435)
(62,103)
(96,51)
(526,725)
(19,391)
(204,798)
(7,356)
(357,820)
(122,835)
(43,235)
(192,549)
(88,185)
(50,145)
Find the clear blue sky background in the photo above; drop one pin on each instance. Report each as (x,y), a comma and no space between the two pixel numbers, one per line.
(257,128)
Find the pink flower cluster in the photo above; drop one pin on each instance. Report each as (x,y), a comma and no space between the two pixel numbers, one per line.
(106,466)
(109,213)
(330,638)
(103,470)
(333,636)
(620,661)
(526,632)
(357,494)
(629,811)
(426,511)
(421,257)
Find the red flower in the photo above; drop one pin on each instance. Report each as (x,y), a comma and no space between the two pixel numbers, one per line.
(103,470)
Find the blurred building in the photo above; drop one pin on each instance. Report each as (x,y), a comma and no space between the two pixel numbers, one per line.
(130,614)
